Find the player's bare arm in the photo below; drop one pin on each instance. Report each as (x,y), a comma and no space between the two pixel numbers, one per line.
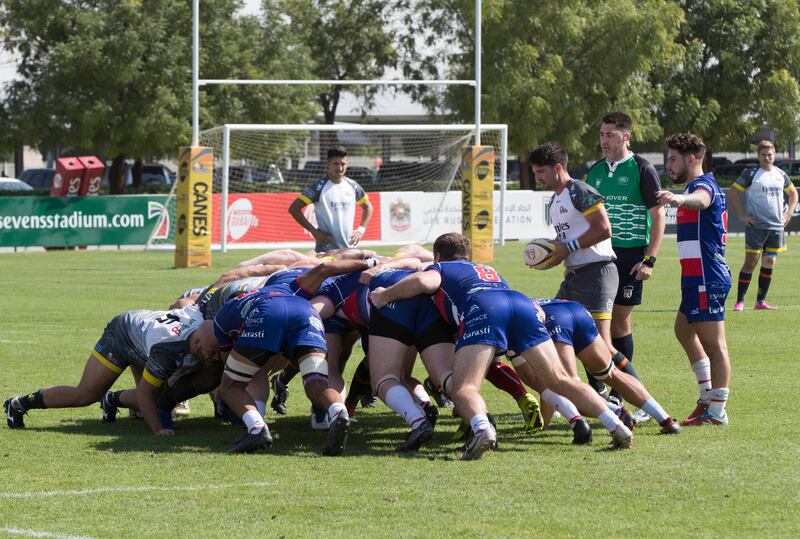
(422,282)
(699,200)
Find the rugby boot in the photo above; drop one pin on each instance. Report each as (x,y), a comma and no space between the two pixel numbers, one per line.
(764,306)
(699,410)
(252,442)
(182,409)
(531,413)
(109,408)
(417,437)
(483,441)
(621,438)
(280,393)
(369,400)
(581,432)
(706,418)
(431,413)
(669,426)
(438,395)
(627,418)
(336,439)
(14,413)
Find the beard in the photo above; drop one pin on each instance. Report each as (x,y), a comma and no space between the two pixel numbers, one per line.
(681,177)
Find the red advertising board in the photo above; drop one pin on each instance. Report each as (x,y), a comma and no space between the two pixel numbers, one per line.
(92,176)
(264,218)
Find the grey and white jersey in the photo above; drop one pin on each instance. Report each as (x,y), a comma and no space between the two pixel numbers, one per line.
(214,299)
(764,190)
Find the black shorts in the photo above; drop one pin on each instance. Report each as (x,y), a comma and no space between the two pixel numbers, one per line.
(436,333)
(630,289)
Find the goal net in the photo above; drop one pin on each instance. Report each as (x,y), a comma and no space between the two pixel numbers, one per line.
(410,172)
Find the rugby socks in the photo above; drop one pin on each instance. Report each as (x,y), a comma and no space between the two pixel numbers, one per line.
(115,398)
(400,400)
(421,395)
(654,409)
(596,384)
(621,362)
(719,398)
(624,345)
(480,422)
(253,421)
(33,401)
(744,283)
(359,386)
(562,405)
(764,280)
(610,421)
(335,409)
(504,377)
(261,407)
(702,371)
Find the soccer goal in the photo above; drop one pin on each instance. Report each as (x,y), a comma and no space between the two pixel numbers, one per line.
(411,173)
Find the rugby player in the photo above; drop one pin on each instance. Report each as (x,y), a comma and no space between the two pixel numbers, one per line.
(491,318)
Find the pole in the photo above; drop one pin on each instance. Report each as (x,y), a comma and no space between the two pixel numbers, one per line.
(477,72)
(195,72)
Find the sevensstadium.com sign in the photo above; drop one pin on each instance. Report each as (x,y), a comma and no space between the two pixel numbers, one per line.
(67,222)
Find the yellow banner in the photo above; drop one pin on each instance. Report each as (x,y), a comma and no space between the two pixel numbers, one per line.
(193,208)
(477,219)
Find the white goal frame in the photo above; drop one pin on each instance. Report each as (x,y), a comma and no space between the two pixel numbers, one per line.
(501,153)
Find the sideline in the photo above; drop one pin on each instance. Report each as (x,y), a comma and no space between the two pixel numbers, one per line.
(101,490)
(37,533)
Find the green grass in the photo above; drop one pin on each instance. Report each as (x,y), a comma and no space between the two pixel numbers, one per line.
(708,482)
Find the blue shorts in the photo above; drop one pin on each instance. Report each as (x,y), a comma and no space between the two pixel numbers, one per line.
(704,303)
(505,319)
(280,324)
(570,323)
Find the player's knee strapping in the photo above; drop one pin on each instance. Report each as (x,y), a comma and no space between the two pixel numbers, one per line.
(239,370)
(386,379)
(604,373)
(314,368)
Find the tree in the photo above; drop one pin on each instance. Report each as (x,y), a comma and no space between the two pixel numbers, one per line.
(548,72)
(736,76)
(114,77)
(345,39)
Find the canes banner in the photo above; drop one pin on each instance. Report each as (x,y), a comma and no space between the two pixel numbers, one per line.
(477,217)
(193,208)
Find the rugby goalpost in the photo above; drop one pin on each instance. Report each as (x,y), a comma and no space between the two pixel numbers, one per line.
(228,130)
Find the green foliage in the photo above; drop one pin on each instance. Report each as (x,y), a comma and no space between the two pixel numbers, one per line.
(738,71)
(114,77)
(69,474)
(348,39)
(550,72)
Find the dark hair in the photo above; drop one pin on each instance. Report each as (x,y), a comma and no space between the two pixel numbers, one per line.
(687,144)
(619,119)
(452,246)
(547,155)
(337,151)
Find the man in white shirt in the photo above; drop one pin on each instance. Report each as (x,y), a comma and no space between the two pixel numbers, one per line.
(334,197)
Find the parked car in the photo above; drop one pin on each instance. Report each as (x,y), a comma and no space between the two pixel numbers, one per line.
(790,166)
(152,173)
(13,184)
(38,178)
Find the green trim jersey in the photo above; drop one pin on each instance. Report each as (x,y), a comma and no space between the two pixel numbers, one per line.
(629,187)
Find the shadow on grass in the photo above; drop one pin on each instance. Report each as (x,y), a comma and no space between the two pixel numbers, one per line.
(376,433)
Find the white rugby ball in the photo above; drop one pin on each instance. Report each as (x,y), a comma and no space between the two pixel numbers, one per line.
(537,252)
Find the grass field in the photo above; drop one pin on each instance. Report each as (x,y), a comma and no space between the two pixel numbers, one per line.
(69,475)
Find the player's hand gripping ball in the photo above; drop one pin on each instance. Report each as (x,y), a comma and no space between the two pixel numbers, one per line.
(537,252)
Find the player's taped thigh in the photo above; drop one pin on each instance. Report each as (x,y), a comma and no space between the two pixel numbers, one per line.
(604,373)
(240,371)
(384,379)
(313,367)
(445,377)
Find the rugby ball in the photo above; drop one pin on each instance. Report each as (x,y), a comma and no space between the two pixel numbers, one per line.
(537,252)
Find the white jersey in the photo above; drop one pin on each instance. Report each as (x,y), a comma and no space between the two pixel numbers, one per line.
(567,214)
(335,208)
(146,329)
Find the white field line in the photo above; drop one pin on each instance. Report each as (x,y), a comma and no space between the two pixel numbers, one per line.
(37,533)
(101,490)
